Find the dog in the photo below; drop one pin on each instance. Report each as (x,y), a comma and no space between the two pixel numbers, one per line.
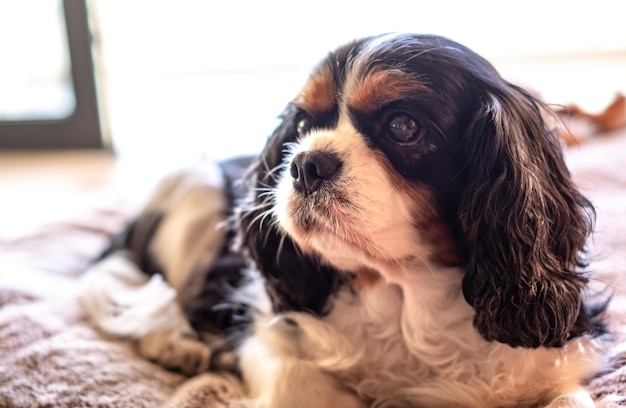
(410,236)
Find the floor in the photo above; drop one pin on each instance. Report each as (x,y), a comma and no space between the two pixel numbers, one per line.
(40,186)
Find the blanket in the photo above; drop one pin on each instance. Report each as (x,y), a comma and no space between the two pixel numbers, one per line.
(50,356)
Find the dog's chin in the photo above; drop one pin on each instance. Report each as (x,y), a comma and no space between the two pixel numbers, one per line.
(333,249)
(338,241)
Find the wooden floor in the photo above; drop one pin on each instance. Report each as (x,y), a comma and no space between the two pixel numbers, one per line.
(40,186)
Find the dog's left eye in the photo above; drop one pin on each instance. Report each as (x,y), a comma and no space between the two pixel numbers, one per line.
(402,128)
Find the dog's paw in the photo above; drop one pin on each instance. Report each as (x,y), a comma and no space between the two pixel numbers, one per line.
(184,354)
(211,389)
(575,399)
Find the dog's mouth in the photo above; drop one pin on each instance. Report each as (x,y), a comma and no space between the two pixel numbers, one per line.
(325,213)
(331,223)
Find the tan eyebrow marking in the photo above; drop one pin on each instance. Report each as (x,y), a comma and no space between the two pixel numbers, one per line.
(319,94)
(382,87)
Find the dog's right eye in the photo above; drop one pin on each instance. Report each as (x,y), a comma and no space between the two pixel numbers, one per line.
(304,125)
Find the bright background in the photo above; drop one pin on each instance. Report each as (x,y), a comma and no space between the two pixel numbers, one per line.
(191,75)
(200,76)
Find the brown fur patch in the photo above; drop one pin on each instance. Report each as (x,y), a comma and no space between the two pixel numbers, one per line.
(435,234)
(365,278)
(382,87)
(319,94)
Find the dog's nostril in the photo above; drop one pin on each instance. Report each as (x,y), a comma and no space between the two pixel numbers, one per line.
(310,169)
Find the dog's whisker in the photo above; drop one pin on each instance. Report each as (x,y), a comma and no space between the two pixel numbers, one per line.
(268,193)
(257,221)
(252,210)
(280,248)
(263,189)
(271,173)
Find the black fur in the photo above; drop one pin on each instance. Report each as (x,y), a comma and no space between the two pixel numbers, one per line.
(135,240)
(526,225)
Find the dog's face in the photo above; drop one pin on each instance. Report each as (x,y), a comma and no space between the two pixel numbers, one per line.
(374,175)
(405,150)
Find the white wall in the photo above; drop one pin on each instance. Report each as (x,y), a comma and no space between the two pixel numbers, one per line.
(191,75)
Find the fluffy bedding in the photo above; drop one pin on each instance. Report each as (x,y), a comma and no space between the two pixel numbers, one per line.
(50,356)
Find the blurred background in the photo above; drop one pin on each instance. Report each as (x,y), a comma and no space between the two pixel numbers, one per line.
(194,75)
(156,81)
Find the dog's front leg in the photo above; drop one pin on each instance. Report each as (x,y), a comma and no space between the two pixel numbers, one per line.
(175,350)
(124,302)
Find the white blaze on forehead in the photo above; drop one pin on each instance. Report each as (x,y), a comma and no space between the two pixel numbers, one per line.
(370,48)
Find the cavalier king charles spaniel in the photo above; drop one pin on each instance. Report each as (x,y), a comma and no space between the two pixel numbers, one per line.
(409,236)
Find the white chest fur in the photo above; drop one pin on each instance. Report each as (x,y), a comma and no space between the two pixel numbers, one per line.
(403,345)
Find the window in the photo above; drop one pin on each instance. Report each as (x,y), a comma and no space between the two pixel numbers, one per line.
(47,87)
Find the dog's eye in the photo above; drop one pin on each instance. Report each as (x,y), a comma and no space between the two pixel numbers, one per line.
(402,129)
(303,126)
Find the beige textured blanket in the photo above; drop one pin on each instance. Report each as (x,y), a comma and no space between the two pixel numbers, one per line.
(51,357)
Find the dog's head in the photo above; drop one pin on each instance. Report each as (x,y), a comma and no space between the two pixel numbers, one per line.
(404,149)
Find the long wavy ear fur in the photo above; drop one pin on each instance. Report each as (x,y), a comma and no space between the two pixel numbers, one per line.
(294,280)
(526,225)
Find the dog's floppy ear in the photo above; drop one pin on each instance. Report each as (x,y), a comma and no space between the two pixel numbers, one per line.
(294,280)
(525,223)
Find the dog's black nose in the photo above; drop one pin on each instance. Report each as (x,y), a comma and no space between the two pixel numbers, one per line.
(310,169)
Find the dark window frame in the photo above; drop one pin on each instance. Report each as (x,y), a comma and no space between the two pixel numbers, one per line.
(81,130)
